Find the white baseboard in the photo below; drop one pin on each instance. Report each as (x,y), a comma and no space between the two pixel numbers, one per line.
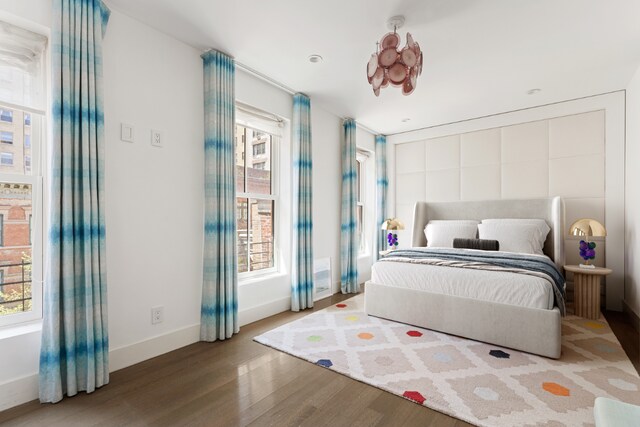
(263,311)
(18,391)
(125,356)
(25,389)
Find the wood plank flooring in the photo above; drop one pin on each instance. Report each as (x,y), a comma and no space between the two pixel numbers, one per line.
(242,383)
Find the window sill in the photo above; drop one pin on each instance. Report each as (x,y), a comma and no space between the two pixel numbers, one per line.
(261,278)
(25,328)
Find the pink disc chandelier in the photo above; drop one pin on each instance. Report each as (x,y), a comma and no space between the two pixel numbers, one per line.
(395,65)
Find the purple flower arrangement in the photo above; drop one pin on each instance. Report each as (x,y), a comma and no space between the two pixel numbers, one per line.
(392,239)
(587,250)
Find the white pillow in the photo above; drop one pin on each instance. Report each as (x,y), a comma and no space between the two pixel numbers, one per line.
(440,233)
(513,236)
(541,224)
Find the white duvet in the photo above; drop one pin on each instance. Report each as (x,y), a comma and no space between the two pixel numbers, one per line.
(495,286)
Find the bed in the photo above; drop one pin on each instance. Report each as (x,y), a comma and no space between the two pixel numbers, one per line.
(519,312)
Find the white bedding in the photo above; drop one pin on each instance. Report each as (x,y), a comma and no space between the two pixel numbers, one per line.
(495,286)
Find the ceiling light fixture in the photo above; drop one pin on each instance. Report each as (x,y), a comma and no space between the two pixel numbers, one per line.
(533,91)
(388,65)
(405,120)
(315,59)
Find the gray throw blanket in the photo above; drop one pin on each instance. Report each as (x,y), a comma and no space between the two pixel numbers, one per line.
(481,260)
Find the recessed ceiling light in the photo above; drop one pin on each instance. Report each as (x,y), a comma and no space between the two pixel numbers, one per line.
(533,91)
(315,59)
(405,120)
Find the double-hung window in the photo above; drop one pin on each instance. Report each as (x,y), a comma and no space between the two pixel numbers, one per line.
(22,130)
(256,196)
(361,200)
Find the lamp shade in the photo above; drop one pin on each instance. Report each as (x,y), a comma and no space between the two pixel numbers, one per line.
(392,224)
(587,227)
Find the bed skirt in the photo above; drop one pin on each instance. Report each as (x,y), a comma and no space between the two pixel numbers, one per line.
(536,331)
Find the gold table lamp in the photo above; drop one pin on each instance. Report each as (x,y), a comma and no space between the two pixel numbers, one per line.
(587,227)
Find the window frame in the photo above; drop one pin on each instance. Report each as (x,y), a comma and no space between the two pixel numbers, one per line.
(273,197)
(35,177)
(362,159)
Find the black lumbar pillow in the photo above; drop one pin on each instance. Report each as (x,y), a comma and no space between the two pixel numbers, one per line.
(482,244)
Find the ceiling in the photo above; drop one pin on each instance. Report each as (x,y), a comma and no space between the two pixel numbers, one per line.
(481,57)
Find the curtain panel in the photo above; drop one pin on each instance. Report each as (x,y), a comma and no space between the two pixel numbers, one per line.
(219,311)
(74,353)
(348,229)
(382,184)
(302,274)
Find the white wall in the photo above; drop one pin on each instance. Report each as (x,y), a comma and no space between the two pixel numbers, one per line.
(154,199)
(632,201)
(579,156)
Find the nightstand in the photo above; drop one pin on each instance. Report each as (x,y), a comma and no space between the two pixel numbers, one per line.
(586,290)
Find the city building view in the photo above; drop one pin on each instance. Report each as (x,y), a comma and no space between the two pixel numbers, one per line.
(255,201)
(15,212)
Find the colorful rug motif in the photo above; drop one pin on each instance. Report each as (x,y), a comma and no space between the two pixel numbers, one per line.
(479,383)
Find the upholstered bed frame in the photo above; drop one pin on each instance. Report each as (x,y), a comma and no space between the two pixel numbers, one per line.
(527,329)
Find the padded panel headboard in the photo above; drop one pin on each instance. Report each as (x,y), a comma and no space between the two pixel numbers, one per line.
(551,210)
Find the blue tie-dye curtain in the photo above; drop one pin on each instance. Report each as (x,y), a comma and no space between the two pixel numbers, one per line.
(219,313)
(74,354)
(302,271)
(381,192)
(348,229)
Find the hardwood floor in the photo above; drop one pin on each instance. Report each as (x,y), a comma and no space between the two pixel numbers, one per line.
(240,382)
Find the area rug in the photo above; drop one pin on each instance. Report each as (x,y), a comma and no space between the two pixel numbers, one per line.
(479,383)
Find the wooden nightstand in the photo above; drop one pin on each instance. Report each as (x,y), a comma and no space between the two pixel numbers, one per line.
(586,290)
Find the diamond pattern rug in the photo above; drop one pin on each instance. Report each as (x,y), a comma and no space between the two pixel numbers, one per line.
(482,384)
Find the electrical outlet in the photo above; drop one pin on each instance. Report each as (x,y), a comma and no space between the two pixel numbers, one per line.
(157,315)
(156,138)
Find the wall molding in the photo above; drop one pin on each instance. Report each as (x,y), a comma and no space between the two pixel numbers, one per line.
(614,106)
(25,389)
(633,318)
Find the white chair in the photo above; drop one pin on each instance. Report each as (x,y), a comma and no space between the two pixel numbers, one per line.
(613,413)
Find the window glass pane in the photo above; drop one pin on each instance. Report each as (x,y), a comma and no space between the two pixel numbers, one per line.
(15,248)
(358,167)
(240,158)
(6,159)
(259,162)
(242,218)
(16,142)
(6,136)
(359,220)
(261,234)
(6,115)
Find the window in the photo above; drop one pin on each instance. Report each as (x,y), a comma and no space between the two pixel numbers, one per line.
(256,201)
(22,124)
(6,115)
(259,148)
(361,220)
(6,137)
(6,159)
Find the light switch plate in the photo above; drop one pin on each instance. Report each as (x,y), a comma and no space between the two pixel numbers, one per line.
(156,138)
(126,132)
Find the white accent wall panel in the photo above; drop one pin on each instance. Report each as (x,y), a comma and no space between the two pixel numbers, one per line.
(563,156)
(575,149)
